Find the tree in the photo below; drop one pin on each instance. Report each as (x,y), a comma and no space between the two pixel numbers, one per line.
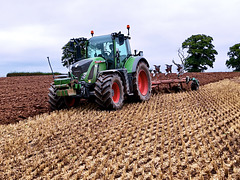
(234,57)
(73,51)
(181,55)
(201,53)
(67,55)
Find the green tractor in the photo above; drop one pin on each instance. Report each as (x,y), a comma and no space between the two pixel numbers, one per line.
(102,69)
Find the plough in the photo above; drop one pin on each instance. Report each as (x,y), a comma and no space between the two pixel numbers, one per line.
(157,82)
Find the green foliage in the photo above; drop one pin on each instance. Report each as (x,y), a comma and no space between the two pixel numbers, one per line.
(234,57)
(201,53)
(29,74)
(69,54)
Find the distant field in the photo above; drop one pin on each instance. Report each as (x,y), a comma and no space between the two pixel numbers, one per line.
(30,74)
(192,134)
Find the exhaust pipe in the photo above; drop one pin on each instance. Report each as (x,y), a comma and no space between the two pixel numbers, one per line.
(50,67)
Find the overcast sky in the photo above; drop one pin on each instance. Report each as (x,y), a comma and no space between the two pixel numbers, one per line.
(32,30)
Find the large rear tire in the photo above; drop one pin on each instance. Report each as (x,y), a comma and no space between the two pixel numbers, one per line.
(109,91)
(194,86)
(142,83)
(57,102)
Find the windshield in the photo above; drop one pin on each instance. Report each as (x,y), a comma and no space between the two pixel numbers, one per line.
(99,46)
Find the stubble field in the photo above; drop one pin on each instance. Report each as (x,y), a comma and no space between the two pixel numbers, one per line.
(192,134)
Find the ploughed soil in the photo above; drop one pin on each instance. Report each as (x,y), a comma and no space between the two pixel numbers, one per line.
(26,96)
(23,96)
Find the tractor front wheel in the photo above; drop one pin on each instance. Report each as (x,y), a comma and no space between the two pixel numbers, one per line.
(109,91)
(57,102)
(142,82)
(71,101)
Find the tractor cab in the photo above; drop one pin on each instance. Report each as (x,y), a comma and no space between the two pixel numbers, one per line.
(114,48)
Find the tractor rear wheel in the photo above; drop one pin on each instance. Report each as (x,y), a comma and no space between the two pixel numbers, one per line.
(57,102)
(142,82)
(109,91)
(194,86)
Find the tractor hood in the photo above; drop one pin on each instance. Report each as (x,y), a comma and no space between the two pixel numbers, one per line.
(81,67)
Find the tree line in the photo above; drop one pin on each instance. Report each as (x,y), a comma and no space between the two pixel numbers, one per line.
(201,54)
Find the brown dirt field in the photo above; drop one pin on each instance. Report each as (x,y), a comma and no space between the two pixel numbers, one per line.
(23,97)
(186,135)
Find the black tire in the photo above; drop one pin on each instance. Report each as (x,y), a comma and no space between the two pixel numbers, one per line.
(58,102)
(142,83)
(55,102)
(109,93)
(194,86)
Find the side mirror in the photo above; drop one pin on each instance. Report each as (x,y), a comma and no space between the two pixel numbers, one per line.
(121,39)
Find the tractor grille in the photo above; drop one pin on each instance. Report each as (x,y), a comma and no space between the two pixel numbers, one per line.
(80,67)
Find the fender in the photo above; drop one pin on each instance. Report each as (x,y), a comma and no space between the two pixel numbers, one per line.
(111,71)
(132,62)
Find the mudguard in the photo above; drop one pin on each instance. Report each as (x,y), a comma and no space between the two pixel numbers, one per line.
(132,62)
(120,72)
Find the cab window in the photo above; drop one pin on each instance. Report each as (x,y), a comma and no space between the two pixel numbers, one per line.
(122,48)
(99,47)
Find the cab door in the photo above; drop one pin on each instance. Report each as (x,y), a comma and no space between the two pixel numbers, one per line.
(122,51)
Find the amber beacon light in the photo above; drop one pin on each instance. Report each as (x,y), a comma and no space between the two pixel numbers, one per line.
(128,27)
(92,32)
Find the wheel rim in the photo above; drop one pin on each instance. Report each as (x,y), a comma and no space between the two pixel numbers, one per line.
(70,101)
(143,82)
(116,92)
